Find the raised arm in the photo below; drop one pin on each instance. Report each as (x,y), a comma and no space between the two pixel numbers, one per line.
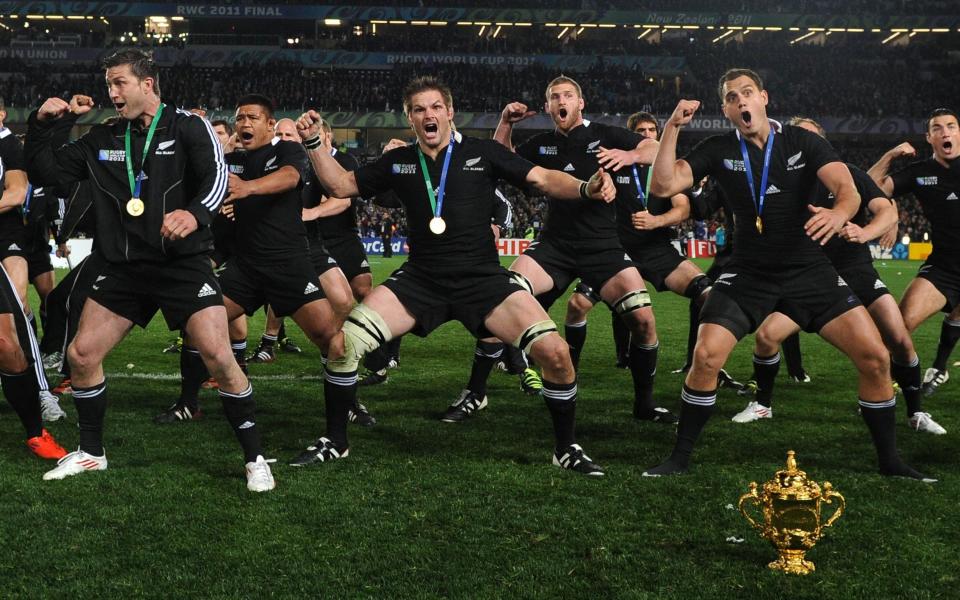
(880,172)
(48,164)
(512,113)
(672,176)
(339,182)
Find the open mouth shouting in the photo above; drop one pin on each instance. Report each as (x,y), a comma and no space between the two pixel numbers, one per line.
(948,147)
(431,131)
(119,106)
(563,114)
(747,118)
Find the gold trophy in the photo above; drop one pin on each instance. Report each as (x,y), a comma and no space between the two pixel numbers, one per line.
(791,515)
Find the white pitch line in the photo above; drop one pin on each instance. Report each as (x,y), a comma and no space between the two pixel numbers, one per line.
(176,377)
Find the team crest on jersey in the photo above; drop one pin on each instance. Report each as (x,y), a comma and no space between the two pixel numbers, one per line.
(404,169)
(548,150)
(235,169)
(793,162)
(471,164)
(166,148)
(927,180)
(270,165)
(111,155)
(593,147)
(733,165)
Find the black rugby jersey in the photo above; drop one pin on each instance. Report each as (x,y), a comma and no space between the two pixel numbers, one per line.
(796,157)
(627,203)
(271,226)
(11,153)
(476,165)
(336,226)
(590,223)
(841,252)
(938,190)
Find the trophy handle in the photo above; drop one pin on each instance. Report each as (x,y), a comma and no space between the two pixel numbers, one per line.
(828,495)
(753,498)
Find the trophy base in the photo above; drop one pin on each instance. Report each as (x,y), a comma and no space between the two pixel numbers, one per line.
(792,562)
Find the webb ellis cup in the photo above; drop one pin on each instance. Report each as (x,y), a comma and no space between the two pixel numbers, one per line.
(791,506)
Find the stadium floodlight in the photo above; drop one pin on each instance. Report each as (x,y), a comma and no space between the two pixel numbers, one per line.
(331,22)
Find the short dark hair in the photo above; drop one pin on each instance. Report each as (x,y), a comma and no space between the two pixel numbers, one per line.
(259,100)
(798,120)
(141,64)
(419,85)
(226,125)
(732,74)
(642,117)
(940,112)
(558,81)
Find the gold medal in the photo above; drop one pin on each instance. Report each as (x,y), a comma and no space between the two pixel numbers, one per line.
(759,225)
(135,207)
(437,225)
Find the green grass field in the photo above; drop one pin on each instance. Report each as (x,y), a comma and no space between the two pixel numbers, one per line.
(426,509)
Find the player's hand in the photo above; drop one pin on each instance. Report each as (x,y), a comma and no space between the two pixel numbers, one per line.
(199,112)
(889,237)
(515,112)
(614,159)
(80,104)
(684,112)
(904,149)
(600,186)
(308,125)
(644,221)
(393,144)
(53,108)
(228,209)
(63,250)
(824,224)
(233,142)
(238,188)
(178,224)
(853,233)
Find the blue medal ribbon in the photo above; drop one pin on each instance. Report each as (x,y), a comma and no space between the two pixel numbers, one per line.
(641,196)
(763,175)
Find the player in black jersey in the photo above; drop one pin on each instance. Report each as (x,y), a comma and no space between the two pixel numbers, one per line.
(851,257)
(935,181)
(445,182)
(272,263)
(21,370)
(778,263)
(159,178)
(580,238)
(644,226)
(13,233)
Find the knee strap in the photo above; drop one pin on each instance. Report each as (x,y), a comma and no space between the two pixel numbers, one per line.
(632,301)
(522,281)
(588,292)
(363,331)
(699,286)
(534,333)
